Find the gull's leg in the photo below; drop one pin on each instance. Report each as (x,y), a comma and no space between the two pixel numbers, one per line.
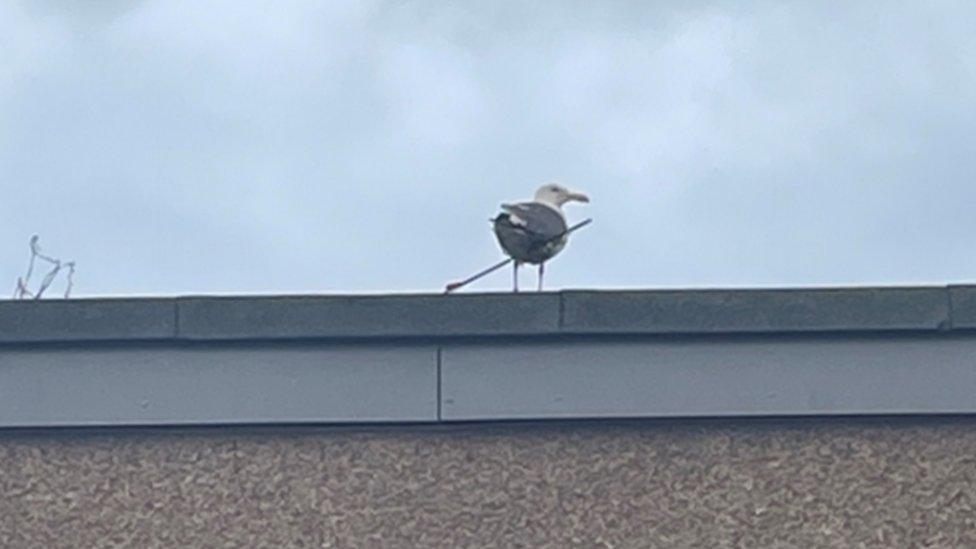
(542,271)
(515,265)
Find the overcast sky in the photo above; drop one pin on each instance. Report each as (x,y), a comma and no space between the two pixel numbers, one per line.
(235,146)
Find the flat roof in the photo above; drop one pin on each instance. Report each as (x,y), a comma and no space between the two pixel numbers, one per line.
(570,312)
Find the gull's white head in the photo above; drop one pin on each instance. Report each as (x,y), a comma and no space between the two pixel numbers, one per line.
(557,195)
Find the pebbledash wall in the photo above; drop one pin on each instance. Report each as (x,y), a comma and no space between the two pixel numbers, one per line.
(704,418)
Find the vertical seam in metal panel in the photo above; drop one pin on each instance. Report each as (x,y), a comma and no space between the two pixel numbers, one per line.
(562,312)
(176,318)
(950,314)
(439,355)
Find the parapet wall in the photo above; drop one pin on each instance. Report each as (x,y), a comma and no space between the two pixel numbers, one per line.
(442,359)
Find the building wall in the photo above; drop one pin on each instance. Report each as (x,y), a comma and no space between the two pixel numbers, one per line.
(738,483)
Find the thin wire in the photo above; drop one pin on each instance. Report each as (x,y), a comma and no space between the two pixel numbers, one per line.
(48,279)
(22,290)
(71,279)
(30,266)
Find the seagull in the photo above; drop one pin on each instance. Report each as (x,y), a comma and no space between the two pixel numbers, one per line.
(535,231)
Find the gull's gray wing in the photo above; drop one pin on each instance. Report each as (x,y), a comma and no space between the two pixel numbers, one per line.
(530,232)
(539,220)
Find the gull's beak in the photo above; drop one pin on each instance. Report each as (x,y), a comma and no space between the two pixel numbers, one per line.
(579,197)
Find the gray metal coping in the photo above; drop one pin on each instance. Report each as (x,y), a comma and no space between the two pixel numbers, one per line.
(571,312)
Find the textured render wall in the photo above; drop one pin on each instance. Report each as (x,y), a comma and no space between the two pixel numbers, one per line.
(755,483)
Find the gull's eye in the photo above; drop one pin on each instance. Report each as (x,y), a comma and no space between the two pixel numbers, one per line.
(554,189)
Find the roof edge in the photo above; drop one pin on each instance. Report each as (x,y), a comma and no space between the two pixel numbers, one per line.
(568,312)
